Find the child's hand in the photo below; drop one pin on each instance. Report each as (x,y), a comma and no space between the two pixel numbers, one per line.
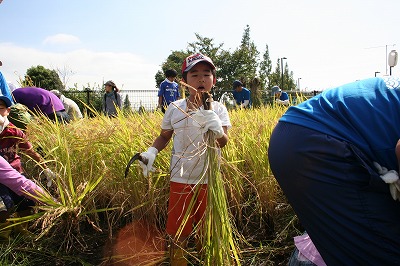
(390,177)
(208,120)
(150,156)
(50,176)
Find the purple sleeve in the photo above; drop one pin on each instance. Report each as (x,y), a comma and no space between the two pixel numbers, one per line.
(12,179)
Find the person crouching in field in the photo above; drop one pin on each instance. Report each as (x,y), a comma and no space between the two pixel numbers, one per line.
(343,147)
(41,102)
(15,197)
(188,159)
(13,140)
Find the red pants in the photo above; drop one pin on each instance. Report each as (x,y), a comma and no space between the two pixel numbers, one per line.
(180,197)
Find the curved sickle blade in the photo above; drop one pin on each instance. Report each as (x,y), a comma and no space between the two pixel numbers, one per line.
(134,158)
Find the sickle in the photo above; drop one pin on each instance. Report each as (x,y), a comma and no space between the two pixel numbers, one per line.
(135,157)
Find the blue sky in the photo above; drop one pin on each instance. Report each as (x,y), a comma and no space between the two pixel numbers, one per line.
(326,43)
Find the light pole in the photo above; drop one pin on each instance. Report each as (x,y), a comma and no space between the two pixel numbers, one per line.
(392,57)
(282,71)
(376,72)
(298,83)
(387,55)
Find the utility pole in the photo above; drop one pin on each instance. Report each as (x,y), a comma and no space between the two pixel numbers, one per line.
(282,71)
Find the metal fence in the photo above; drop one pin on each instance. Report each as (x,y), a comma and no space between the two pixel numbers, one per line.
(145,98)
(148,99)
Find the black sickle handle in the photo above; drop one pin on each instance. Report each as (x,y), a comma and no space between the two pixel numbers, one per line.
(135,157)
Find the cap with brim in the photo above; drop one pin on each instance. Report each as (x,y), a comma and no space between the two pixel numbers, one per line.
(236,84)
(6,100)
(275,89)
(194,59)
(56,92)
(110,83)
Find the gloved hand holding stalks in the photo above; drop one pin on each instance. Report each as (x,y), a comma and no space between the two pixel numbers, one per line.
(208,120)
(50,176)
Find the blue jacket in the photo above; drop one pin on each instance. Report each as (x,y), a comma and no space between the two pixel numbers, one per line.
(365,113)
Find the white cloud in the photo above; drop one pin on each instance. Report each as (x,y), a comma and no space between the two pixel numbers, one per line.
(61,39)
(129,71)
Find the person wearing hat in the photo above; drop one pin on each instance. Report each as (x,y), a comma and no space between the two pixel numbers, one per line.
(41,102)
(4,88)
(169,90)
(241,95)
(70,106)
(13,140)
(188,161)
(112,102)
(343,146)
(280,96)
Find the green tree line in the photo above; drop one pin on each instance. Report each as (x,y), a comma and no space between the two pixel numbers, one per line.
(245,63)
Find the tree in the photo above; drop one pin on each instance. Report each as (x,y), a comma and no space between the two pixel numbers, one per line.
(174,61)
(205,46)
(243,64)
(126,108)
(265,69)
(275,78)
(42,77)
(65,73)
(247,66)
(90,98)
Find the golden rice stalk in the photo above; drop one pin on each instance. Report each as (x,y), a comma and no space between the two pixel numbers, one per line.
(218,241)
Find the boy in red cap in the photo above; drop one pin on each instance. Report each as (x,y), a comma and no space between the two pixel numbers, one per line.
(187,169)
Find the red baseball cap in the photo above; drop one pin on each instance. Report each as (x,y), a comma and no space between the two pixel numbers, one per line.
(193,59)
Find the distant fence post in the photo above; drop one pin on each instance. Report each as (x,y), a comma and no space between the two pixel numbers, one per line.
(88,91)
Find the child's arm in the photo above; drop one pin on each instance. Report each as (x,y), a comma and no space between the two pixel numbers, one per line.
(149,156)
(162,140)
(35,156)
(15,181)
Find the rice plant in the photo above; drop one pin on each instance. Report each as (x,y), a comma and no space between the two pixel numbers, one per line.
(92,199)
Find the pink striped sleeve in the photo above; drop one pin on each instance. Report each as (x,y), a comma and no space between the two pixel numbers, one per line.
(15,181)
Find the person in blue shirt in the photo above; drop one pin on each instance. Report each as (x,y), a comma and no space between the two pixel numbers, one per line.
(241,95)
(281,97)
(169,90)
(4,88)
(342,145)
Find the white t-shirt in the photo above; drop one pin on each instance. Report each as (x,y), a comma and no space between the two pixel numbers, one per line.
(188,153)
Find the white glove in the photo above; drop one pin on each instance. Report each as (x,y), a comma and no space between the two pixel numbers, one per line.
(50,176)
(390,177)
(208,120)
(150,156)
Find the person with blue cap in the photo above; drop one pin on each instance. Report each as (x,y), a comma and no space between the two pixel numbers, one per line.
(241,95)
(5,90)
(281,97)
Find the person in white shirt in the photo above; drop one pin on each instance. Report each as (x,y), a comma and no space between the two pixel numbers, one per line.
(70,106)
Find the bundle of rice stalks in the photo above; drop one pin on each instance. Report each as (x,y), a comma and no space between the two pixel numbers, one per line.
(218,241)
